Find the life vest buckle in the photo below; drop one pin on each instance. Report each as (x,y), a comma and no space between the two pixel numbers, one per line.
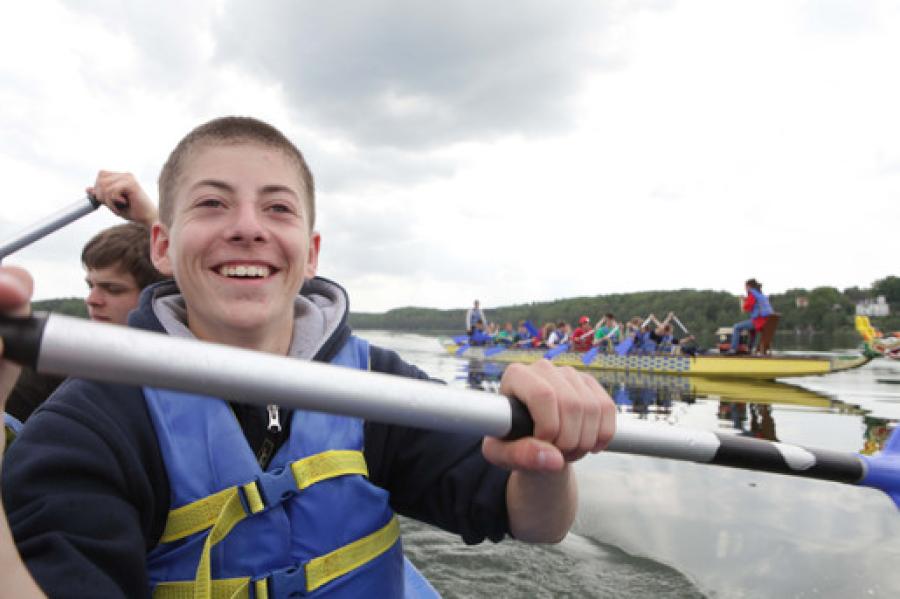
(286,583)
(274,488)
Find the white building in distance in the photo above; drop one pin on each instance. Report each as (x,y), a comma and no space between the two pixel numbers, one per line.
(870,307)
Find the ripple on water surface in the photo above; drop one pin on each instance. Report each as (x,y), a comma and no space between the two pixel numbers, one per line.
(577,567)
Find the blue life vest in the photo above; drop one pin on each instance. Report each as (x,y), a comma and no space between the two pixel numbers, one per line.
(761,307)
(648,345)
(665,344)
(310,525)
(479,337)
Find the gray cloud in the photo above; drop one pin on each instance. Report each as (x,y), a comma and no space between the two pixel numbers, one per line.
(348,172)
(416,75)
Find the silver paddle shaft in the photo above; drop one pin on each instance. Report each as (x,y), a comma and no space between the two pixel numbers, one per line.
(117,354)
(49,225)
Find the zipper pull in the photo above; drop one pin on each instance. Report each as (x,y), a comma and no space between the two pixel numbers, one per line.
(274,422)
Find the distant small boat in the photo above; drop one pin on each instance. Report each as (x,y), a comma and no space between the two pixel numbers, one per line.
(706,365)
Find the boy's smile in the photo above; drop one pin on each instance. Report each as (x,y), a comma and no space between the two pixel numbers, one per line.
(239,245)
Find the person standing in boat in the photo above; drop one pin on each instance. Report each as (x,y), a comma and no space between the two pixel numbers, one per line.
(473,315)
(114,490)
(756,303)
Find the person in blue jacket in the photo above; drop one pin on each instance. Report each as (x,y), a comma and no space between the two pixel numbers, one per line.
(757,304)
(479,336)
(121,491)
(473,315)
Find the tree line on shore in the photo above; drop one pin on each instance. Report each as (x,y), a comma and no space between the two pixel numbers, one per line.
(827,310)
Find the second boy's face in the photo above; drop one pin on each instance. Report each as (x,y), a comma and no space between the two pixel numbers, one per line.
(239,246)
(112,294)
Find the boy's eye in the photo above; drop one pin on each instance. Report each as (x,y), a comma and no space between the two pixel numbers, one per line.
(282,208)
(210,203)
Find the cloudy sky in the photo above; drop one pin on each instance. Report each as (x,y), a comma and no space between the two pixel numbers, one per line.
(512,150)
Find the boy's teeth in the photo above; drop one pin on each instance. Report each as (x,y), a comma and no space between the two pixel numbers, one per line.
(244,270)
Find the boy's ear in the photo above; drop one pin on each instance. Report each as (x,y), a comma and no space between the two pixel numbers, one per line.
(159,249)
(312,260)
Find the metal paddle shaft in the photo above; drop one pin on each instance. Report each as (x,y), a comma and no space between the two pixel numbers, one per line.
(62,345)
(49,225)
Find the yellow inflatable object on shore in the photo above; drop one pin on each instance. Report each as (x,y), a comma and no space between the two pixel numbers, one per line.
(876,342)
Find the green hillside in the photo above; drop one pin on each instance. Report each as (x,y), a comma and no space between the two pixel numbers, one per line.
(73,306)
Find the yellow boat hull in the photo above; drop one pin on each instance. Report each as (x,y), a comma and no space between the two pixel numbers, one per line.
(712,366)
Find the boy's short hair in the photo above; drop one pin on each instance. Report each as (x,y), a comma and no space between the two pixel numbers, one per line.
(229,130)
(126,247)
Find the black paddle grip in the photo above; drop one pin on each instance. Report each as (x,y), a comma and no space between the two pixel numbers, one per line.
(97,203)
(521,424)
(22,338)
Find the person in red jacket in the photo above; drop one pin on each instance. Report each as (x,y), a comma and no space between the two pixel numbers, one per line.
(582,337)
(757,304)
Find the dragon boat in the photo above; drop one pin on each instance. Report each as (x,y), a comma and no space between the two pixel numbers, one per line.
(876,342)
(765,367)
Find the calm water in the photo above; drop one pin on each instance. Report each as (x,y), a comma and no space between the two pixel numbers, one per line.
(658,528)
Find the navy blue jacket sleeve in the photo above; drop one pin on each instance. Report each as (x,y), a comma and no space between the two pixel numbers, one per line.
(86,493)
(436,477)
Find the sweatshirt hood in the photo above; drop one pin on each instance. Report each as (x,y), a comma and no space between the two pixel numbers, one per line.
(320,316)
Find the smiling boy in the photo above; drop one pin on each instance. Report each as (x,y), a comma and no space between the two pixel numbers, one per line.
(110,488)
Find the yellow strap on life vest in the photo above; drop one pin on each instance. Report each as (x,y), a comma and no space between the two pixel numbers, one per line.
(223,510)
(203,513)
(319,571)
(223,588)
(326,568)
(9,437)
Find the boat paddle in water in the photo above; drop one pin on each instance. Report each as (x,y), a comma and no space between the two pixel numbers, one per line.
(63,345)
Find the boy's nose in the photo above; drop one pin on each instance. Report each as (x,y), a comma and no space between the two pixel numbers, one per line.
(246,224)
(95,297)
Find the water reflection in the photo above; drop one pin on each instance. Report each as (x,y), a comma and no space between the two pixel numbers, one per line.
(733,533)
(743,407)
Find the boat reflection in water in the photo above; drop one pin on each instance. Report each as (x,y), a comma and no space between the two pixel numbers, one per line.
(743,533)
(745,406)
